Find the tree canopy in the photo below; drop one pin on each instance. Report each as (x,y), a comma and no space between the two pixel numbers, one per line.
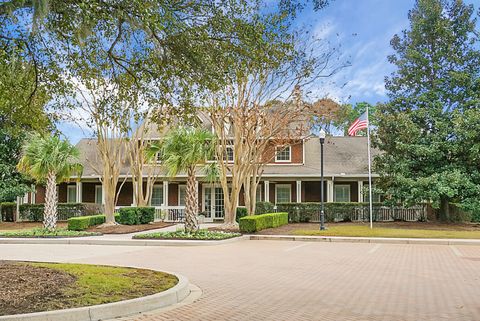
(429,127)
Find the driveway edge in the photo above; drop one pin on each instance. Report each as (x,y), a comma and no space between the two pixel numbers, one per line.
(364,240)
(112,310)
(121,242)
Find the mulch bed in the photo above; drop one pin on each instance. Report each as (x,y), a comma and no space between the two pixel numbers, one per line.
(290,228)
(29,288)
(126,229)
(10,226)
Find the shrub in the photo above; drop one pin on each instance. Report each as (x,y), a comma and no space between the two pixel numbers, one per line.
(251,224)
(7,211)
(34,212)
(241,212)
(146,214)
(83,222)
(136,215)
(264,207)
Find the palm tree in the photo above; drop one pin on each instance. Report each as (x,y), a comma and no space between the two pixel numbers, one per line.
(182,150)
(50,159)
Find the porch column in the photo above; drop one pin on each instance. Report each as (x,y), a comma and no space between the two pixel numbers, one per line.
(267,191)
(360,191)
(103,195)
(134,195)
(17,213)
(299,191)
(32,200)
(329,191)
(165,193)
(79,195)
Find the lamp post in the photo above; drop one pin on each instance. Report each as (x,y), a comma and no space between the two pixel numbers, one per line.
(322,212)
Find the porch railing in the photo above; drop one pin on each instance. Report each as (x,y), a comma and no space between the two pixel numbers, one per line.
(166,213)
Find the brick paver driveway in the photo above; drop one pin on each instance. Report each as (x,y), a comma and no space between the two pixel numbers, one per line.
(279,280)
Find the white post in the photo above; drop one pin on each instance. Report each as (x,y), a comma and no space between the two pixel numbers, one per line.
(329,191)
(267,191)
(33,194)
(369,172)
(299,191)
(79,195)
(103,195)
(17,215)
(360,191)
(165,193)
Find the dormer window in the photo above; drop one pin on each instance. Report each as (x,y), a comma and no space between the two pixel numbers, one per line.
(283,153)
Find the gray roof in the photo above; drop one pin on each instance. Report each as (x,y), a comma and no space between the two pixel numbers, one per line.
(344,156)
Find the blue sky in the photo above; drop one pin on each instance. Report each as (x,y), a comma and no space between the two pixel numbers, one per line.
(363,29)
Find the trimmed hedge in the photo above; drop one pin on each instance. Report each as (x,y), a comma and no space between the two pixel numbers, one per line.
(84,222)
(136,215)
(34,212)
(7,211)
(241,212)
(254,223)
(264,207)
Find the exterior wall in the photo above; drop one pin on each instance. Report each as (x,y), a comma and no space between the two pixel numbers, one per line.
(39,194)
(62,193)
(126,195)
(88,192)
(296,150)
(172,194)
(311,191)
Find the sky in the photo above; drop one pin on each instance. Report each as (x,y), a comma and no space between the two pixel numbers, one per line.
(362,29)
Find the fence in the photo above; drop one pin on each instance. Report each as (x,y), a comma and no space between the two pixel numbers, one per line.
(166,213)
(336,212)
(34,212)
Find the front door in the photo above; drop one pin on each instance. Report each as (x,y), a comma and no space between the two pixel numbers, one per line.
(213,203)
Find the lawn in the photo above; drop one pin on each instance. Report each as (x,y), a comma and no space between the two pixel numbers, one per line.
(33,287)
(43,233)
(203,235)
(365,231)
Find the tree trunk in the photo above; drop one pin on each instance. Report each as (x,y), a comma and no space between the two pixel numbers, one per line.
(444,209)
(50,212)
(191,203)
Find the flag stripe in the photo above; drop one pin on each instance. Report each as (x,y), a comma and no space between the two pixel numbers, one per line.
(359,123)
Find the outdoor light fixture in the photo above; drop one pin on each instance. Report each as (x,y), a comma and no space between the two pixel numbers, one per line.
(321,135)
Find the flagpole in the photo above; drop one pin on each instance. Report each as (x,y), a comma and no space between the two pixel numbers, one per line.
(369,171)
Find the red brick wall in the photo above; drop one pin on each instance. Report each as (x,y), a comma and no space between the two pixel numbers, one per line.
(39,194)
(297,153)
(126,195)
(173,194)
(88,192)
(311,191)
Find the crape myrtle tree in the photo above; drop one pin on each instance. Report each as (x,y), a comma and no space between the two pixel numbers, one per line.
(260,104)
(50,160)
(429,128)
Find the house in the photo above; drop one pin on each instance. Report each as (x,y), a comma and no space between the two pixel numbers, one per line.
(293,175)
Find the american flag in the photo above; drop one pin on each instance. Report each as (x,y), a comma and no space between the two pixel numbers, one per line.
(359,123)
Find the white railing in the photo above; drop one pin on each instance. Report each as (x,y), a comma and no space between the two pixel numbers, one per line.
(165,213)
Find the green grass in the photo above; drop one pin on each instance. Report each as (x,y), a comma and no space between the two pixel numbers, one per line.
(104,284)
(365,231)
(200,235)
(41,232)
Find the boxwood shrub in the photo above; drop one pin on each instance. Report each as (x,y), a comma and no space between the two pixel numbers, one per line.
(34,212)
(7,211)
(241,212)
(251,224)
(136,215)
(264,207)
(83,222)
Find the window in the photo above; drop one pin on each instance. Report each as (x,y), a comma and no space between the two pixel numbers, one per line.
(283,193)
(342,193)
(71,193)
(376,196)
(182,192)
(283,153)
(157,195)
(98,194)
(229,154)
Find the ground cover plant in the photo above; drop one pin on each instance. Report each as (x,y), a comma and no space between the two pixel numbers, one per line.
(45,233)
(182,235)
(32,287)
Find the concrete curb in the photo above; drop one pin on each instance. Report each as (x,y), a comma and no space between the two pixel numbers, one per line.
(112,310)
(127,242)
(364,240)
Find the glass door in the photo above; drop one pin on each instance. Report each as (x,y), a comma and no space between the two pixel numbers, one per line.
(207,203)
(219,203)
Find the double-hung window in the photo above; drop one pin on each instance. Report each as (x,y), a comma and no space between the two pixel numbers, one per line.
(71,193)
(283,153)
(342,193)
(157,195)
(283,193)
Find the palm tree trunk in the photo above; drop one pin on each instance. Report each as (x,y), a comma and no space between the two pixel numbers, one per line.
(50,212)
(191,203)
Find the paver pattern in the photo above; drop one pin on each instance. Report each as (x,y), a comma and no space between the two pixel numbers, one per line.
(282,280)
